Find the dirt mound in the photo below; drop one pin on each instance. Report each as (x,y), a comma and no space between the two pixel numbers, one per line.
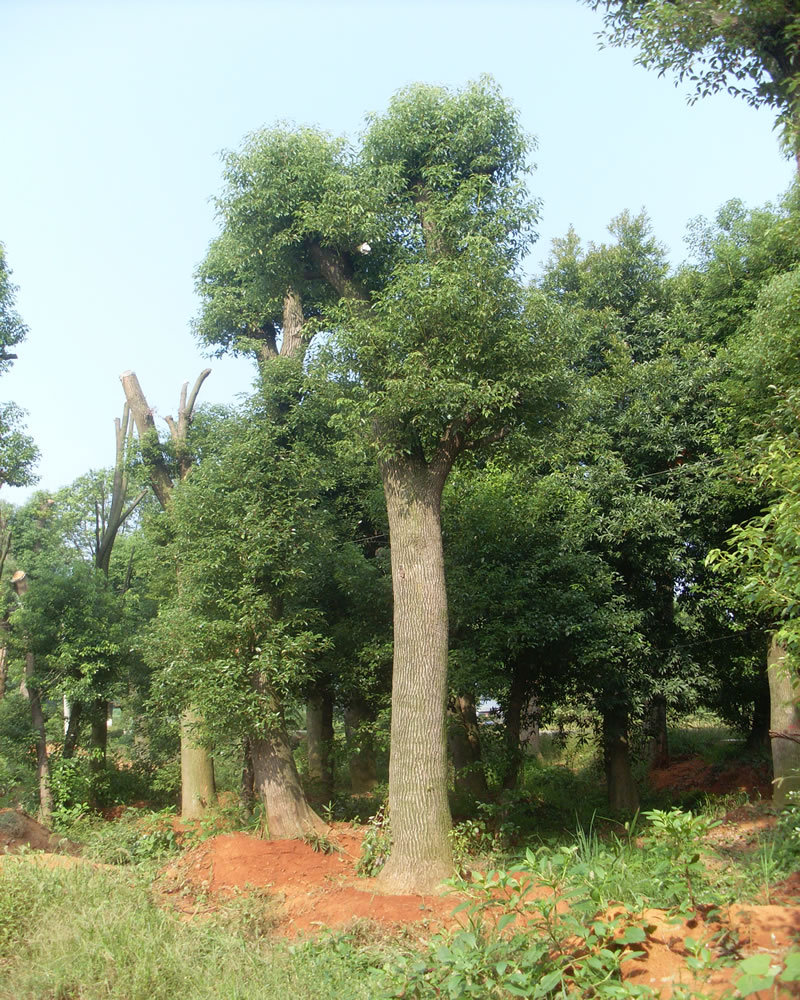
(313,889)
(746,931)
(693,774)
(18,829)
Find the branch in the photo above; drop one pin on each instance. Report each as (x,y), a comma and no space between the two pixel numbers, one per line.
(337,271)
(152,453)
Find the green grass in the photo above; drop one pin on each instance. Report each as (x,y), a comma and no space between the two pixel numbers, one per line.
(89,934)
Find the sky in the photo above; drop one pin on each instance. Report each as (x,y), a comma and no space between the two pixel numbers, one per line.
(113,116)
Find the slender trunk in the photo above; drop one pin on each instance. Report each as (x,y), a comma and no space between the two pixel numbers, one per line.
(248,785)
(529,734)
(73,728)
(421,858)
(319,741)
(42,762)
(3,670)
(512,715)
(464,742)
(784,693)
(659,738)
(361,748)
(198,789)
(623,795)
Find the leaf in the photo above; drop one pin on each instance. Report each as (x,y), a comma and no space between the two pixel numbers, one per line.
(791,974)
(752,984)
(756,965)
(505,920)
(633,935)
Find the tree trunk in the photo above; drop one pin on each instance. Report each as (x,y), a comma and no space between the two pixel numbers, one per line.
(3,670)
(421,858)
(361,748)
(248,785)
(623,795)
(784,693)
(512,716)
(277,784)
(529,734)
(198,789)
(31,691)
(463,738)
(73,728)
(319,742)
(659,738)
(758,738)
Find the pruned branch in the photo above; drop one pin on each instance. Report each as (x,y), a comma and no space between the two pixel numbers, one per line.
(152,452)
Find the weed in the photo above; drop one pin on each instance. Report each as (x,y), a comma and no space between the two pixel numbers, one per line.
(376,845)
(320,842)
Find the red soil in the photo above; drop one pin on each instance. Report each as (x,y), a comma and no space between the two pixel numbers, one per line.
(693,774)
(315,889)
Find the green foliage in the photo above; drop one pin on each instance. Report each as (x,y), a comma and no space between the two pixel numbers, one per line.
(751,50)
(680,835)
(18,453)
(376,845)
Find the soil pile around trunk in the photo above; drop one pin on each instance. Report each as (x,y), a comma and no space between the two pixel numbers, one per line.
(19,830)
(312,890)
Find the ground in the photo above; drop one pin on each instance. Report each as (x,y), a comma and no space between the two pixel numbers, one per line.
(307,890)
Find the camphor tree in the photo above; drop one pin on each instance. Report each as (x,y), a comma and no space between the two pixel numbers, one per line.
(750,49)
(405,249)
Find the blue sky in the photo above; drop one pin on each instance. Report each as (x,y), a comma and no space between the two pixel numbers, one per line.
(113,115)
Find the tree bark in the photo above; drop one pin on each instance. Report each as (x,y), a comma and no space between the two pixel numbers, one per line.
(73,729)
(623,795)
(529,734)
(42,760)
(463,738)
(512,716)
(248,785)
(319,743)
(421,857)
(659,737)
(361,748)
(784,693)
(198,789)
(277,783)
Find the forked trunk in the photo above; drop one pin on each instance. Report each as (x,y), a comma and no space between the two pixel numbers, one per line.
(464,742)
(421,858)
(277,784)
(198,788)
(784,693)
(623,795)
(361,748)
(319,737)
(73,729)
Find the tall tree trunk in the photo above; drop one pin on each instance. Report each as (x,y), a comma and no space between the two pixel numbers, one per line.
(463,738)
(319,742)
(784,695)
(659,737)
(623,795)
(198,789)
(512,716)
(421,858)
(361,748)
(31,691)
(3,668)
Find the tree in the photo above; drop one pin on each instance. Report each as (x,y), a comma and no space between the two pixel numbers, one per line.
(197,768)
(750,50)
(18,454)
(406,250)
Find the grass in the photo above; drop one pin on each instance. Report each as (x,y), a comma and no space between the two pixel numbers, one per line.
(89,934)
